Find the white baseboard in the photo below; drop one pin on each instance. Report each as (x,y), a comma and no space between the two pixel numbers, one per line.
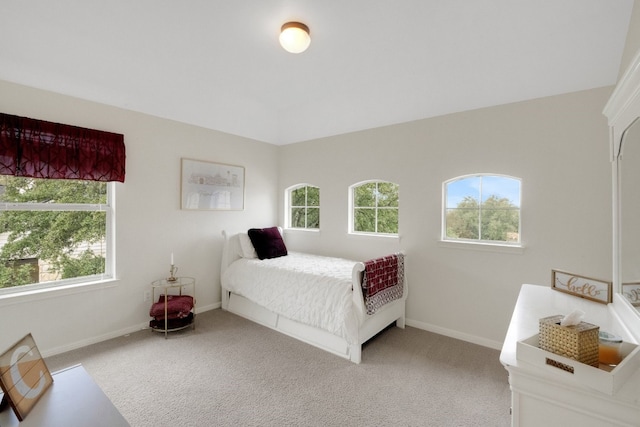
(208,307)
(94,340)
(454,334)
(115,334)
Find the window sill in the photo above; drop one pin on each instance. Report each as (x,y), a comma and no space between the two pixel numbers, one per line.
(484,247)
(19,297)
(375,236)
(302,230)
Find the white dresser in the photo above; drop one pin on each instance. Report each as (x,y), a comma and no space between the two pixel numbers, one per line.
(548,396)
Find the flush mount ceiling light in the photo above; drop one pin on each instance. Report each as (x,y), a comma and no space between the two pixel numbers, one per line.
(294,37)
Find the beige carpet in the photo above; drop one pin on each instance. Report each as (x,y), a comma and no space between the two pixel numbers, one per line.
(232,372)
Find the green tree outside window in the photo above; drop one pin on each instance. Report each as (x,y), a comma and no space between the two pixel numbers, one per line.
(483,208)
(61,223)
(375,208)
(305,207)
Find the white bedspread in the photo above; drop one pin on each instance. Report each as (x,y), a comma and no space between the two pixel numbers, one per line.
(313,290)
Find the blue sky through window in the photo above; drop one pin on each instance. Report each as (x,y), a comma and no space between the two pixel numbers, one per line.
(501,186)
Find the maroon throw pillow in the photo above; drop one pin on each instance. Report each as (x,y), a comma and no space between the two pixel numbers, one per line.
(267,242)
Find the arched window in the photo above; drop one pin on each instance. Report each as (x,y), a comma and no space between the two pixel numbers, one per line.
(482,207)
(374,207)
(303,207)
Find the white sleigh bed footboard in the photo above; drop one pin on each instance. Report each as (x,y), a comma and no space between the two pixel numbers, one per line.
(369,325)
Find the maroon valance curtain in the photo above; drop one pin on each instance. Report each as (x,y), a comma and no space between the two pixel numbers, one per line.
(40,149)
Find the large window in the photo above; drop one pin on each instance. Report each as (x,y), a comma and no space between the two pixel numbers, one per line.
(53,232)
(304,207)
(483,208)
(374,208)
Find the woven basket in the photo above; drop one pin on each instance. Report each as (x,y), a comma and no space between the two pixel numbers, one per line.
(579,342)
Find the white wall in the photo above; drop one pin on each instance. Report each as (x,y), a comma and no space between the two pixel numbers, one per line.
(632,45)
(557,145)
(150,224)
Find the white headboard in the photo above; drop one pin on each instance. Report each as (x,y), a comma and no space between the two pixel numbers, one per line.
(230,250)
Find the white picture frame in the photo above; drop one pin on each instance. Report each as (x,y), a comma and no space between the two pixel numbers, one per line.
(211,186)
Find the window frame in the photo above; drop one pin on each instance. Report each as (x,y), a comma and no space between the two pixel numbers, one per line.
(288,207)
(352,210)
(109,268)
(479,242)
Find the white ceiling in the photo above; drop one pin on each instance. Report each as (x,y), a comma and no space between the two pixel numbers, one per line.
(218,64)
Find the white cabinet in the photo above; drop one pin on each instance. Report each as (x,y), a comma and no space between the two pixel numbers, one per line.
(547,396)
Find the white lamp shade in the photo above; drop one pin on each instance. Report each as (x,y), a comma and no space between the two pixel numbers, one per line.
(294,37)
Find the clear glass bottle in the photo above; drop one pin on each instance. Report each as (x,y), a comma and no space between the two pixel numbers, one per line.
(609,349)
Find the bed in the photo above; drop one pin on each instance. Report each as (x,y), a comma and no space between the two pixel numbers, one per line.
(316,299)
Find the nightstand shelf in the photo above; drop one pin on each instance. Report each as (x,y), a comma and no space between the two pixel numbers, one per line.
(175,307)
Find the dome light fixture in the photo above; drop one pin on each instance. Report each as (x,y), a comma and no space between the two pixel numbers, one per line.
(294,37)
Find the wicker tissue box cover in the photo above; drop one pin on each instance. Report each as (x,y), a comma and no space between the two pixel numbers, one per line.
(579,342)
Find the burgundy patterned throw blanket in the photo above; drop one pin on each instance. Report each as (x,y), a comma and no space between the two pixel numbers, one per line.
(383,281)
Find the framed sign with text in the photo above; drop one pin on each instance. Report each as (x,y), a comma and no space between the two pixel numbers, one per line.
(581,286)
(24,376)
(631,291)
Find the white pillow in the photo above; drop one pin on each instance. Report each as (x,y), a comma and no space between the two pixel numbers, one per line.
(246,247)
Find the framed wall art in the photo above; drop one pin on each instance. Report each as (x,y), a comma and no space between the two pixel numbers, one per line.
(211,186)
(581,286)
(631,291)
(24,376)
